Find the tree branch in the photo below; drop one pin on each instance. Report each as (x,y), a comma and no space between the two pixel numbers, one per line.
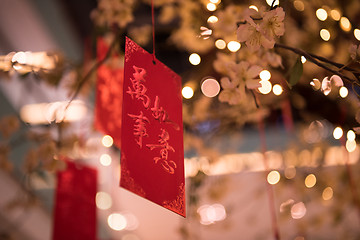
(93,69)
(314,59)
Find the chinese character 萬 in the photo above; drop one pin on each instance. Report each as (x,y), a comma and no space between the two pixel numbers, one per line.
(138,89)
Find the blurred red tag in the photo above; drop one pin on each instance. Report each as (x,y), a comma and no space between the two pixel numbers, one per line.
(152,154)
(108,96)
(75,208)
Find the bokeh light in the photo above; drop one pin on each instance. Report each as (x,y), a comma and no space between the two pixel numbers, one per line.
(343,92)
(325,34)
(299,5)
(335,14)
(310,181)
(338,132)
(265,75)
(103,200)
(350,145)
(321,14)
(117,221)
(316,84)
(265,87)
(303,59)
(187,92)
(269,2)
(298,210)
(211,7)
(254,7)
(290,172)
(105,159)
(345,24)
(210,87)
(220,44)
(233,46)
(194,59)
(327,194)
(212,19)
(273,177)
(210,214)
(351,135)
(107,141)
(277,89)
(357,34)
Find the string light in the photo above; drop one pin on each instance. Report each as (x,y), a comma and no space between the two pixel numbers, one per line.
(215,1)
(194,59)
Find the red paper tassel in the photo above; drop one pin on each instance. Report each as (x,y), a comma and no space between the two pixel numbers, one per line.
(75,207)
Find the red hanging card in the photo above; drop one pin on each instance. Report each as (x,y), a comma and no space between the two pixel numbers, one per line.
(75,207)
(152,154)
(108,96)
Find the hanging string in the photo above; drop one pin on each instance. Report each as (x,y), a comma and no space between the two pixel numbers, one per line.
(269,188)
(153,28)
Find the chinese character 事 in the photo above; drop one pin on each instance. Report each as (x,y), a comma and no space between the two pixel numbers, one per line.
(139,127)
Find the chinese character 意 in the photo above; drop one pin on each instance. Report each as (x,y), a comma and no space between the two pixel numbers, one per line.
(139,89)
(139,127)
(164,146)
